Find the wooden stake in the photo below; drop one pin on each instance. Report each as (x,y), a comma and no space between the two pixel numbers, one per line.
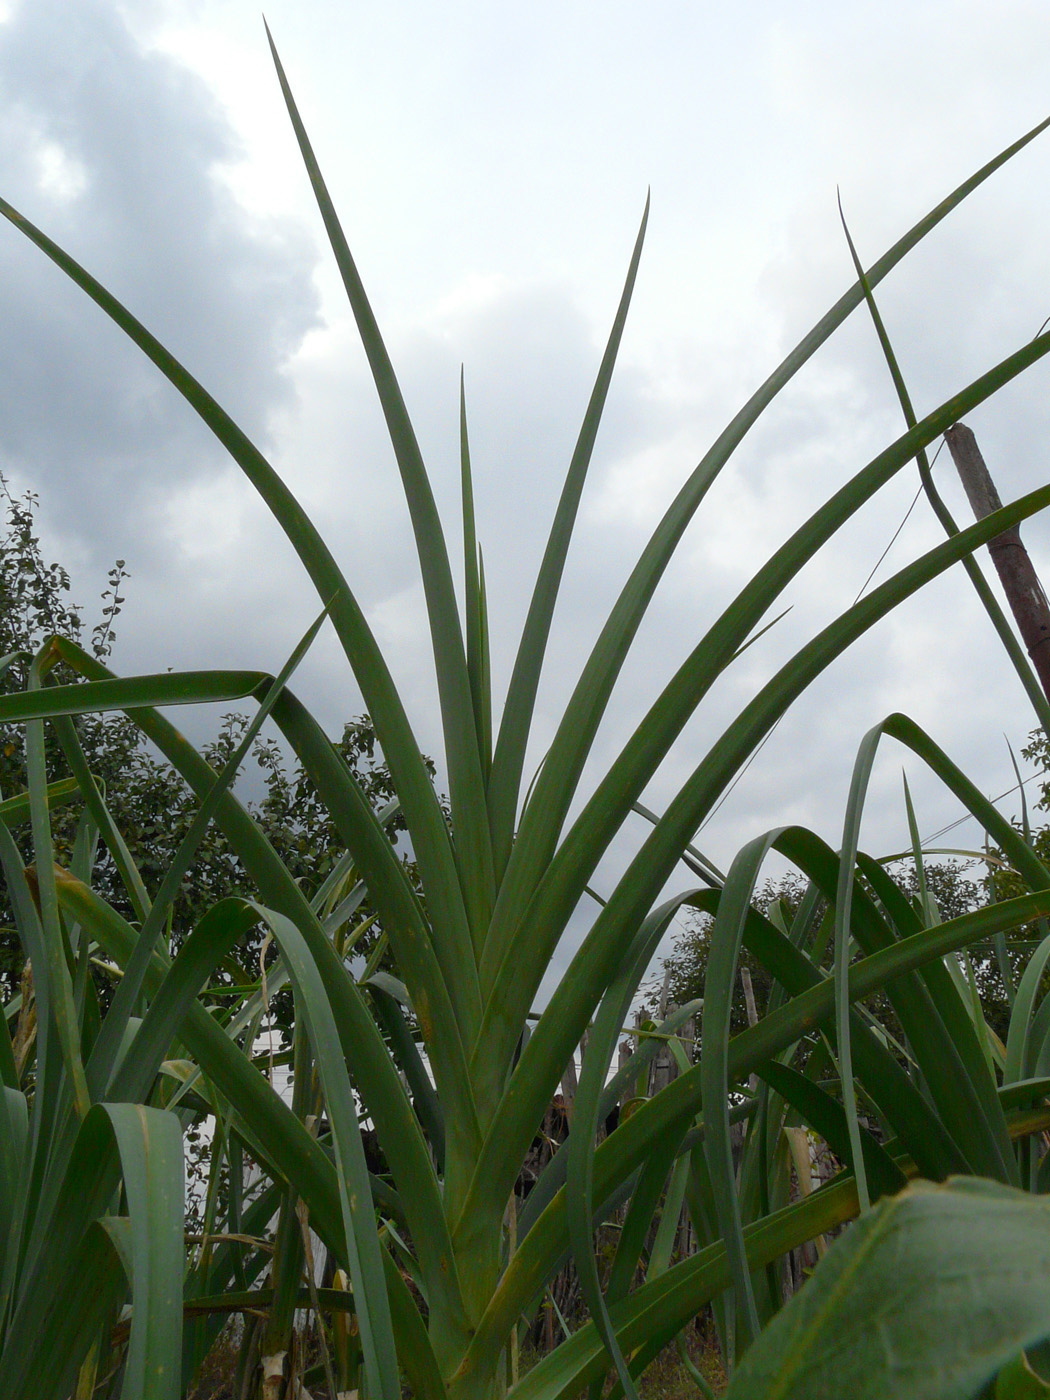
(1020,581)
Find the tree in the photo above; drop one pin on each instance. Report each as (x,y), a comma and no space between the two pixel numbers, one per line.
(683,972)
(949,884)
(151,805)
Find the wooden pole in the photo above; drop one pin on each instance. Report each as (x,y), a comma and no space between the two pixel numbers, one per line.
(752,1016)
(1020,581)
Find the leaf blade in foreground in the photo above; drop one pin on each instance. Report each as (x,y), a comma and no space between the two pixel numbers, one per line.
(925,1298)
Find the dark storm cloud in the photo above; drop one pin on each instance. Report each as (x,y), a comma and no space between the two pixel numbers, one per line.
(114,152)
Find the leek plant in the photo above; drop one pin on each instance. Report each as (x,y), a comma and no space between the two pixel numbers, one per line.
(441,1260)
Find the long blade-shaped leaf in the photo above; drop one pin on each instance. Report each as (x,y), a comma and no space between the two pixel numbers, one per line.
(427,1103)
(509,758)
(919,1129)
(561,879)
(553,1175)
(150,1146)
(14,810)
(375,1073)
(940,1137)
(553,793)
(719,995)
(171,688)
(826,1117)
(95,806)
(53,1352)
(621,1153)
(423,812)
(14,1134)
(218,931)
(364,1251)
(580,1153)
(942,1036)
(428,969)
(127,993)
(473,600)
(996,616)
(48,1105)
(142,1148)
(572,1004)
(273,1132)
(54,967)
(1021,1017)
(843,936)
(654,1314)
(466,783)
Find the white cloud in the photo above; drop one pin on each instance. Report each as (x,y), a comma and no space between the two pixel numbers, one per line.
(61,175)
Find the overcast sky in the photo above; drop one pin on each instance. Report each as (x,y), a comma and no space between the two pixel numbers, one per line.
(490,164)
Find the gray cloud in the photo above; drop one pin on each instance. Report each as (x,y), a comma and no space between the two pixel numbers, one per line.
(117,153)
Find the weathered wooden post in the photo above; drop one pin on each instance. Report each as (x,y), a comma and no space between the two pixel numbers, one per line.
(569,1085)
(1016,572)
(623,1058)
(664,1068)
(634,1086)
(752,1015)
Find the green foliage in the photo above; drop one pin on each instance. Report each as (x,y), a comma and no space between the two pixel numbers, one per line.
(683,971)
(928,1297)
(441,1057)
(151,805)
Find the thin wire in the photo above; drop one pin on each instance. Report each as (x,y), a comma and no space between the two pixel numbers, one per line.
(900,527)
(733,784)
(969,815)
(893,541)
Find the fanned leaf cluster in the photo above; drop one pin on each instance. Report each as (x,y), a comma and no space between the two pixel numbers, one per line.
(440,1061)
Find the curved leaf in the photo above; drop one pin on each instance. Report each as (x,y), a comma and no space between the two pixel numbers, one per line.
(552,796)
(466,786)
(925,1298)
(509,758)
(120,693)
(571,1005)
(827,1118)
(364,1252)
(422,810)
(142,1149)
(620,1154)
